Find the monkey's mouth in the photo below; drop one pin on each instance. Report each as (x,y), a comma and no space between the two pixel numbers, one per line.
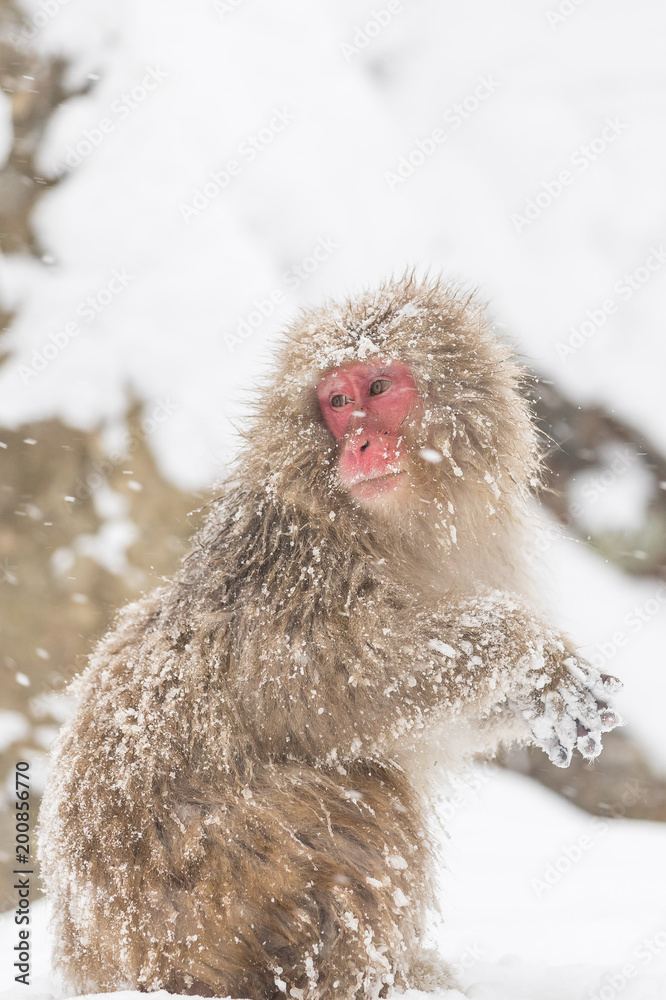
(376,487)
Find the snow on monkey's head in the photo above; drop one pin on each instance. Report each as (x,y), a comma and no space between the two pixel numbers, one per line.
(399,399)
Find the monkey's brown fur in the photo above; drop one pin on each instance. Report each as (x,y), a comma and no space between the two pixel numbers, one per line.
(237,805)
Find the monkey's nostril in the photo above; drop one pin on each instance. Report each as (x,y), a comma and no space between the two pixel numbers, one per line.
(364,446)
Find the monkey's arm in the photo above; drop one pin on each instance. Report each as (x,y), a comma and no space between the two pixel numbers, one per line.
(492,653)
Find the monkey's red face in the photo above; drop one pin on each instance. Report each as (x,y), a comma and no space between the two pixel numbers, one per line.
(366,408)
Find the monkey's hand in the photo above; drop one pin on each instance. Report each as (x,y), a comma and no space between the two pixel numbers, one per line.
(569,706)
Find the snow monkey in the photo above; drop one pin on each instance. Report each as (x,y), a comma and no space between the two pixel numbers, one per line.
(239,804)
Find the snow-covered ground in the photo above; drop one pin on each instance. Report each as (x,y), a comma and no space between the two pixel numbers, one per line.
(234,160)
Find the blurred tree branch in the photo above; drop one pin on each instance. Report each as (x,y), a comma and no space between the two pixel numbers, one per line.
(580,438)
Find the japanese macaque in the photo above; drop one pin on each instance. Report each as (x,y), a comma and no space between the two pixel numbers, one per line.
(239,804)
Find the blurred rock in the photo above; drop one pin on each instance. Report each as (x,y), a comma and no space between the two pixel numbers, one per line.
(589,441)
(79,537)
(620,784)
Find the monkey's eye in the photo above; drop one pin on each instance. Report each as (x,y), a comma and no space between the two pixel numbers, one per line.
(340,400)
(379,386)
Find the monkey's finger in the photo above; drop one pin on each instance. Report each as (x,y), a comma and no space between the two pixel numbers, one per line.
(588,743)
(566,730)
(600,685)
(582,671)
(558,754)
(610,719)
(555,730)
(581,705)
(604,685)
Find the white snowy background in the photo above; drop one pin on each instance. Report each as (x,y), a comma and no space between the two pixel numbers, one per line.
(515,93)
